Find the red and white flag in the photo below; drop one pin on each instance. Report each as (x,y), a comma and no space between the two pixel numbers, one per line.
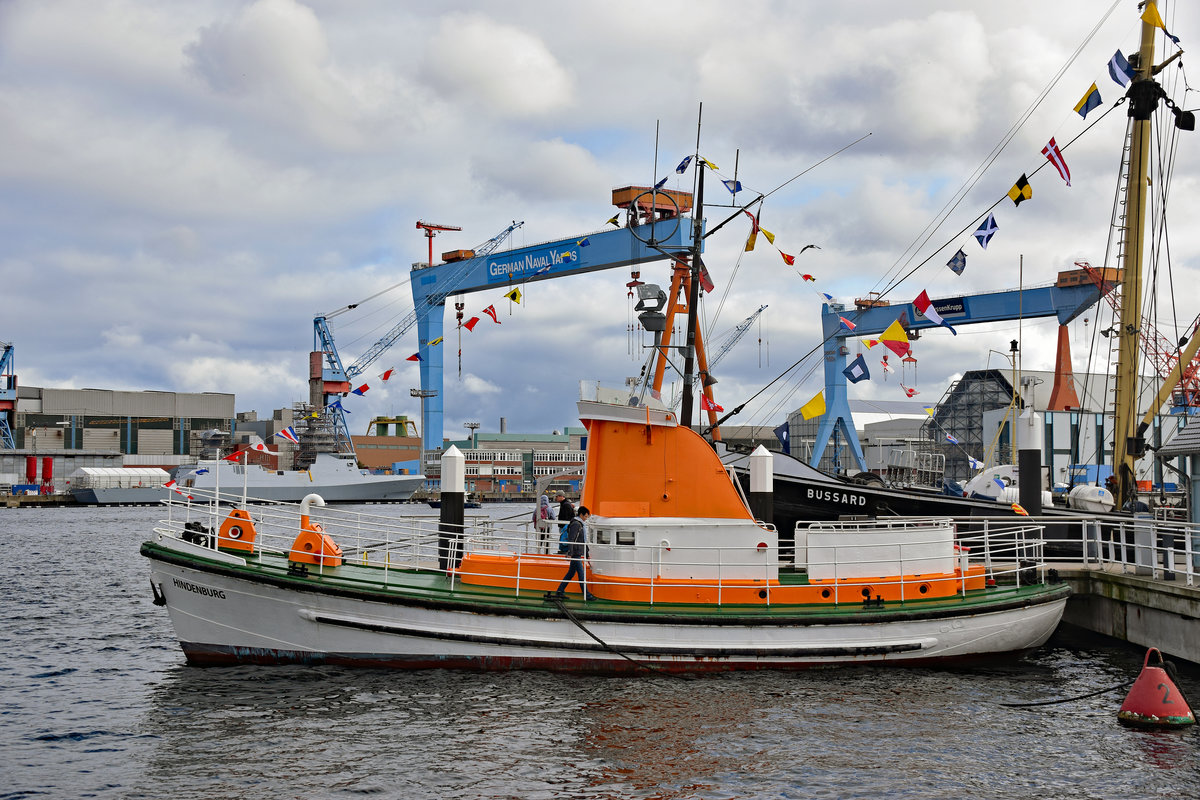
(709,405)
(386,374)
(1055,155)
(491,312)
(925,307)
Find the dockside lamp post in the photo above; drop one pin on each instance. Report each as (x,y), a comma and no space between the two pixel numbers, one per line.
(762,480)
(453,495)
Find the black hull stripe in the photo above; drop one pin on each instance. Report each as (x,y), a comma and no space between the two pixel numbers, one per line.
(222,655)
(646,650)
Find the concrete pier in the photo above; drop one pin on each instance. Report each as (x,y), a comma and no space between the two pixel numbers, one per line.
(1142,610)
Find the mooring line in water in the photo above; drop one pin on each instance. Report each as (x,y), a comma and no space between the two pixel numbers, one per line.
(1125,685)
(644,665)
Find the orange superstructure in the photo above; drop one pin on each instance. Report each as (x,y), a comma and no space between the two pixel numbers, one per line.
(633,456)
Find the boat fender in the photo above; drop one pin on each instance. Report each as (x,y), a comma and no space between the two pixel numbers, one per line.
(1155,700)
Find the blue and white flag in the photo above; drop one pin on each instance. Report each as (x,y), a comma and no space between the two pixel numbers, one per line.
(951,439)
(857,370)
(202,471)
(975,463)
(661,183)
(338,405)
(781,433)
(733,186)
(958,263)
(986,231)
(998,482)
(683,165)
(1119,69)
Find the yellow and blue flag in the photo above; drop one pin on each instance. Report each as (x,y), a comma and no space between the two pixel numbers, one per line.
(1091,99)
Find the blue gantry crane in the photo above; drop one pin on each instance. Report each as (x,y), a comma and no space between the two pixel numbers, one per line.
(8,396)
(1069,297)
(329,379)
(591,252)
(656,230)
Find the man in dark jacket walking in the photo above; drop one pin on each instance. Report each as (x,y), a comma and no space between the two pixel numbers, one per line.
(577,552)
(566,511)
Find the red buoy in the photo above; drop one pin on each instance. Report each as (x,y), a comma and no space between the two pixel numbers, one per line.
(1154,700)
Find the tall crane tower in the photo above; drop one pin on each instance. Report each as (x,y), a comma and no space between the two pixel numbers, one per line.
(725,346)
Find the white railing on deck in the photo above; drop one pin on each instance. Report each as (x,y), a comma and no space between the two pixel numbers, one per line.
(1012,551)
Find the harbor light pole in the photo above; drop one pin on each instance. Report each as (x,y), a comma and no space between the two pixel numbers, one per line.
(472,427)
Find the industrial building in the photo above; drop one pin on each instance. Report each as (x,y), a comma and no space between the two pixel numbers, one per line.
(56,431)
(973,420)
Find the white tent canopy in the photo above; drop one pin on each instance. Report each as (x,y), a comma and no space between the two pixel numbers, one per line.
(118,477)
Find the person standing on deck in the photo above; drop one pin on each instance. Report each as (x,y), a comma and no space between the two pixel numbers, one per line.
(566,511)
(577,552)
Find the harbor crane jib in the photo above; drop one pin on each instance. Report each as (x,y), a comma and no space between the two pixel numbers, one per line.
(1066,299)
(576,255)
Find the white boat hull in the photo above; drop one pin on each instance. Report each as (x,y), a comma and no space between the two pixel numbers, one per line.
(221,617)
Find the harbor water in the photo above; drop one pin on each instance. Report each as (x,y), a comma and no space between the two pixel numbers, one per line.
(97,701)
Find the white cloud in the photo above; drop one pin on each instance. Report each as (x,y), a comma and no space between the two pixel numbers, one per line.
(184,186)
(473,384)
(498,67)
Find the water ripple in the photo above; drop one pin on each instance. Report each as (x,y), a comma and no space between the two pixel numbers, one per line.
(96,700)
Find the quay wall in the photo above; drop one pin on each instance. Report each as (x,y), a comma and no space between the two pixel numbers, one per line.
(1140,610)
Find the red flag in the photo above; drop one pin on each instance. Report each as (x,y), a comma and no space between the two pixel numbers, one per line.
(386,374)
(908,391)
(1055,156)
(414,357)
(360,391)
(471,323)
(491,312)
(705,281)
(235,456)
(789,260)
(849,325)
(809,278)
(709,405)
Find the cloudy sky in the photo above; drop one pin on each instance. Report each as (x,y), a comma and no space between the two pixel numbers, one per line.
(184,186)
